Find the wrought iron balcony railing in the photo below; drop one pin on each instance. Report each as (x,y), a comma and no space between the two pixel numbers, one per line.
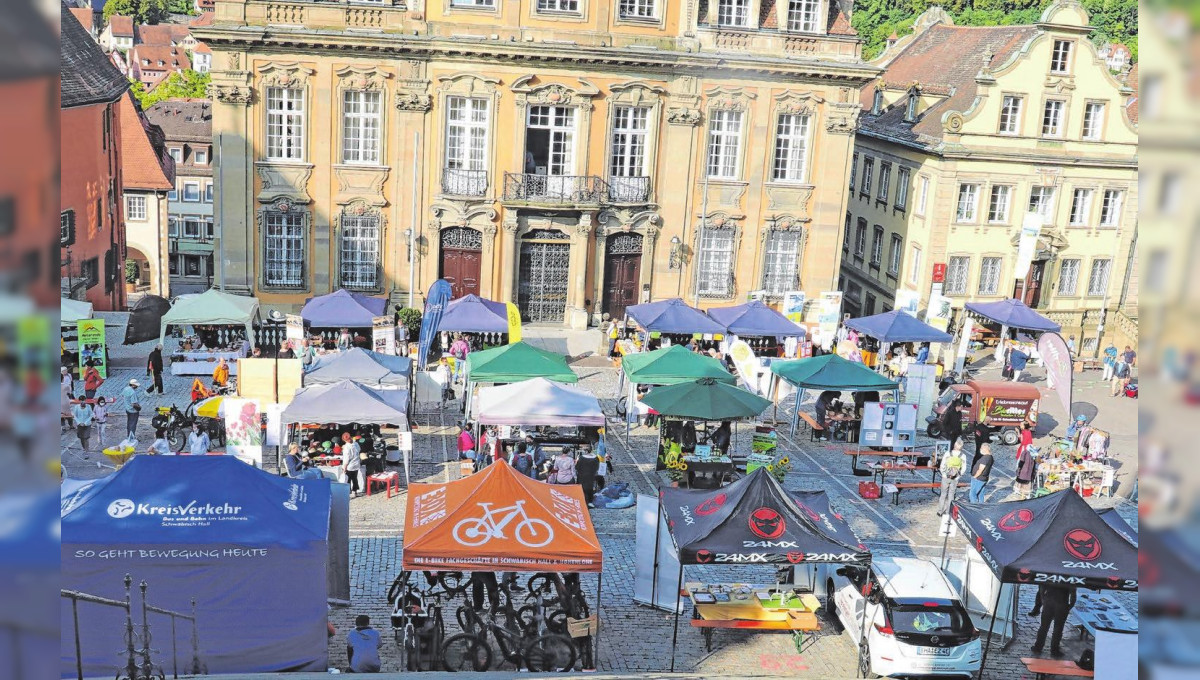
(462,182)
(629,189)
(555,189)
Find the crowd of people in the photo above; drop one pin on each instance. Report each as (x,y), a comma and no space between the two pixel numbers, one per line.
(584,462)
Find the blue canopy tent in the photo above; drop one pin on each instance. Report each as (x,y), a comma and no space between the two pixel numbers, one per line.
(1010,313)
(672,316)
(473,314)
(238,553)
(343,309)
(29,558)
(755,319)
(898,326)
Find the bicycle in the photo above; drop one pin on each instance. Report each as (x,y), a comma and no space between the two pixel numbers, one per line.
(469,651)
(418,634)
(531,532)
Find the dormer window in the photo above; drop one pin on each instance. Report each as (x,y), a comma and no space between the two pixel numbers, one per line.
(733,13)
(877,102)
(802,15)
(1060,57)
(910,111)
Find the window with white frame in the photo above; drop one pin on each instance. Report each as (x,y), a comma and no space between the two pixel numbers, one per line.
(473,3)
(914,264)
(1081,207)
(191,192)
(285,124)
(1010,115)
(1093,120)
(860,239)
(885,181)
(362,122)
(853,171)
(868,174)
(791,147)
(173,194)
(957,271)
(631,128)
(877,247)
(208,192)
(176,153)
(359,251)
(135,207)
(1052,118)
(200,157)
(1060,56)
(999,204)
(922,194)
(283,249)
(1098,277)
(466,146)
(1041,201)
(1110,208)
(895,254)
(968,203)
(803,16)
(1068,276)
(903,177)
(558,5)
(724,142)
(989,275)
(781,266)
(734,13)
(714,264)
(637,9)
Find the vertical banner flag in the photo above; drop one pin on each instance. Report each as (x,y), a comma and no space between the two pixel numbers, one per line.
(908,301)
(295,329)
(243,430)
(830,316)
(514,323)
(91,346)
(745,363)
(1056,357)
(1031,229)
(793,305)
(435,306)
(383,334)
(939,312)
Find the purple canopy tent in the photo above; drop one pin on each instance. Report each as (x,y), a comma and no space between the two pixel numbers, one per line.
(755,319)
(473,314)
(343,309)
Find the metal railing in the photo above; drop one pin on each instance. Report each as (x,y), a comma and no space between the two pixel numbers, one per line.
(462,182)
(556,189)
(628,189)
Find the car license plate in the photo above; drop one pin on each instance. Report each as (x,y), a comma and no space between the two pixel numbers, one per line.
(934,651)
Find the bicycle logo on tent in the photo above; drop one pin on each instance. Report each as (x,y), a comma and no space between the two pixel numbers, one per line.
(529,532)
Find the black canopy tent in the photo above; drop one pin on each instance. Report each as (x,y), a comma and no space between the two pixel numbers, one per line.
(754,521)
(1055,540)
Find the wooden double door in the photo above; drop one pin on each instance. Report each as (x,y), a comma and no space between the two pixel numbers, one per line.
(622,273)
(462,260)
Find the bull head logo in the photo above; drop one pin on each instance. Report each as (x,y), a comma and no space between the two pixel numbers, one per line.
(1083,544)
(795,557)
(767,523)
(1016,520)
(711,505)
(703,556)
(808,511)
(1024,576)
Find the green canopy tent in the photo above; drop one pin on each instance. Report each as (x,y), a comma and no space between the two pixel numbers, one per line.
(705,399)
(665,366)
(513,363)
(829,372)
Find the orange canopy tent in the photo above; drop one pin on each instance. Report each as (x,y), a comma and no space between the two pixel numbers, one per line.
(499,520)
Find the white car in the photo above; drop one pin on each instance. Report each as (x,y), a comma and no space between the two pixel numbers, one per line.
(915,624)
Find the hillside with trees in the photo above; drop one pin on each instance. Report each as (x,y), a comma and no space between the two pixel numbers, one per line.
(875,20)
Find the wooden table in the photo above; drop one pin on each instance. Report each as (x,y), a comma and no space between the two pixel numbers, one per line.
(879,470)
(847,425)
(750,614)
(1102,612)
(855,453)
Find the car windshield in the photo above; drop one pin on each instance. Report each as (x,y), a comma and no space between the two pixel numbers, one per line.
(929,618)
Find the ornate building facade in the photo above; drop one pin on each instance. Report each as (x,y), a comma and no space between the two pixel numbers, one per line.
(571,156)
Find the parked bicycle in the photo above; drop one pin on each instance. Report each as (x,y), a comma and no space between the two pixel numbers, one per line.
(470,651)
(417,623)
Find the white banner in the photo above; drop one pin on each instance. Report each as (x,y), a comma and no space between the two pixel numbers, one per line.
(1031,229)
(830,313)
(243,430)
(939,312)
(908,301)
(275,426)
(383,334)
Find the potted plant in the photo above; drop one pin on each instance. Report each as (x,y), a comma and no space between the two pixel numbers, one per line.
(132,273)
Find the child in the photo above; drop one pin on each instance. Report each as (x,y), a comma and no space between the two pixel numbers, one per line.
(100,418)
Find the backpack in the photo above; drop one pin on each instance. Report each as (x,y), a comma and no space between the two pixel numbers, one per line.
(522,463)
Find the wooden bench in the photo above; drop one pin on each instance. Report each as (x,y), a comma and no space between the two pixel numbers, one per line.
(895,489)
(813,426)
(856,452)
(1042,668)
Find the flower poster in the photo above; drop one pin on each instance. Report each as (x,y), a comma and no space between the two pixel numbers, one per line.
(243,430)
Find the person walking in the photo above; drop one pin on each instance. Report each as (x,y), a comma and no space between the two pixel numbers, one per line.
(198,442)
(83,414)
(1120,377)
(362,646)
(1017,359)
(1056,605)
(401,337)
(459,349)
(154,366)
(980,474)
(91,380)
(951,469)
(100,419)
(132,405)
(1026,470)
(1110,361)
(351,461)
(586,471)
(952,422)
(444,377)
(983,435)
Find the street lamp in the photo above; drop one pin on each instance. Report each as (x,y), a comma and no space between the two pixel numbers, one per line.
(676,259)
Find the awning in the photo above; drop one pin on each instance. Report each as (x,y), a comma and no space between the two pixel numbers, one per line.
(755,319)
(672,316)
(1014,314)
(516,362)
(898,326)
(361,366)
(670,365)
(347,402)
(212,307)
(831,372)
(499,520)
(705,399)
(473,314)
(539,402)
(343,309)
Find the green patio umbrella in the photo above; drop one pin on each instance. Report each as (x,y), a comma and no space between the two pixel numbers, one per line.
(671,365)
(516,362)
(832,372)
(705,399)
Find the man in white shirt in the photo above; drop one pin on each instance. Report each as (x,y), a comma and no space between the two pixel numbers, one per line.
(351,461)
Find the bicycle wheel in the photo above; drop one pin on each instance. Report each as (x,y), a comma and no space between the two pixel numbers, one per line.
(412,660)
(621,407)
(556,622)
(453,581)
(550,653)
(465,653)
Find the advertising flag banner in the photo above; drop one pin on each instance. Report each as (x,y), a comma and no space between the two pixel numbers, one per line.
(1031,229)
(514,323)
(830,306)
(908,301)
(746,364)
(243,430)
(435,306)
(383,334)
(1056,357)
(793,305)
(91,346)
(939,312)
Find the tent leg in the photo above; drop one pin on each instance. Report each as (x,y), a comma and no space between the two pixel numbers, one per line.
(675,635)
(596,638)
(404,454)
(657,537)
(987,645)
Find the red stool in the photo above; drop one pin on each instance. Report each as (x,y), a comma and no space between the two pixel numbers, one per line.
(388,479)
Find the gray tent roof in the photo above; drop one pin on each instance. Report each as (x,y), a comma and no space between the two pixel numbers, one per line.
(361,366)
(348,402)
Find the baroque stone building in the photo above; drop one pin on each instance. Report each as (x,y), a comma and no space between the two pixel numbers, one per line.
(571,156)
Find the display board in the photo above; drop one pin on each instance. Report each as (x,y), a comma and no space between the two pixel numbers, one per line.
(383,334)
(920,388)
(92,346)
(888,424)
(257,379)
(657,572)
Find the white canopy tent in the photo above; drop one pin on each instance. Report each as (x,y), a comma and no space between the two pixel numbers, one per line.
(539,402)
(72,311)
(213,307)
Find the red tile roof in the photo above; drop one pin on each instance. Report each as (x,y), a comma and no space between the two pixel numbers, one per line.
(205,19)
(1132,106)
(84,15)
(173,58)
(839,23)
(141,166)
(201,48)
(121,26)
(162,34)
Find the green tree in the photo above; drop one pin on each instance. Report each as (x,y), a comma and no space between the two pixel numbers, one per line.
(187,84)
(142,11)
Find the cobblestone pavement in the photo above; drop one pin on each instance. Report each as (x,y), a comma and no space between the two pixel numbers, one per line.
(637,639)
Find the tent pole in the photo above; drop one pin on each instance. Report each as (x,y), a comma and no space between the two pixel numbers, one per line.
(657,537)
(992,627)
(596,638)
(678,596)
